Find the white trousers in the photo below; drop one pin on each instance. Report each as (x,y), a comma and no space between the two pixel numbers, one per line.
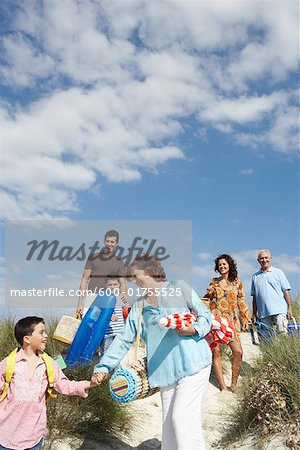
(182,409)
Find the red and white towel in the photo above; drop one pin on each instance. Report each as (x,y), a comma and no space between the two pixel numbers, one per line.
(221,331)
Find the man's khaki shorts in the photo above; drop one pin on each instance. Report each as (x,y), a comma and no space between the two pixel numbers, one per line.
(280,321)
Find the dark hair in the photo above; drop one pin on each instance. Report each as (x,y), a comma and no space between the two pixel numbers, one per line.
(150,266)
(233,274)
(112,276)
(112,233)
(25,327)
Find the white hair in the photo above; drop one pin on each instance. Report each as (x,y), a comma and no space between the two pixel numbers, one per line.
(264,250)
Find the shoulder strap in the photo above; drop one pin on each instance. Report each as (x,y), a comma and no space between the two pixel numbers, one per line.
(9,371)
(138,333)
(50,374)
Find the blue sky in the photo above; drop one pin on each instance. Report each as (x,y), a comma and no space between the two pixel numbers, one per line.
(156,110)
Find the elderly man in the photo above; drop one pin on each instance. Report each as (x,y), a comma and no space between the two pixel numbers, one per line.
(270,291)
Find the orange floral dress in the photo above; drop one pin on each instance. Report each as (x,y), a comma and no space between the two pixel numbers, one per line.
(230,303)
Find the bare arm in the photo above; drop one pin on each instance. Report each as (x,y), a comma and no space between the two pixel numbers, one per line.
(83,286)
(123,290)
(209,292)
(254,308)
(287,297)
(65,386)
(243,307)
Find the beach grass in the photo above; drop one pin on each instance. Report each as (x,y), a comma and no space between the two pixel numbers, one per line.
(7,337)
(269,397)
(92,418)
(296,309)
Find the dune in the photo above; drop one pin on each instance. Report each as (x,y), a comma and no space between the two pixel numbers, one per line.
(147,433)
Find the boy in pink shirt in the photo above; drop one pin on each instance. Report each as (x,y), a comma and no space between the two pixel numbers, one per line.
(23,418)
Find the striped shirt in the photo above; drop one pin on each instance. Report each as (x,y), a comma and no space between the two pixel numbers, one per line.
(115,326)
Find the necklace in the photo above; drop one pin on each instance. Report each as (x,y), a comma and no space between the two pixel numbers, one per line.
(225,282)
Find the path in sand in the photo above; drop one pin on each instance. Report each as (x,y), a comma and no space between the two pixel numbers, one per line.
(147,434)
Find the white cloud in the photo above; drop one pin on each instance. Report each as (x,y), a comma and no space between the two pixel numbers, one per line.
(24,63)
(96,138)
(154,156)
(282,135)
(272,53)
(289,264)
(246,172)
(112,84)
(53,277)
(204,271)
(242,109)
(204,256)
(246,262)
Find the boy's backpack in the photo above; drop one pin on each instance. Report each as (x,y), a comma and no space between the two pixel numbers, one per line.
(10,369)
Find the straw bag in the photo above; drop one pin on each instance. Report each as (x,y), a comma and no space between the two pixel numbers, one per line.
(131,383)
(66,329)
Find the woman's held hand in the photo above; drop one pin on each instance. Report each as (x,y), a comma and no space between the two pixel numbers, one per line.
(187,330)
(98,378)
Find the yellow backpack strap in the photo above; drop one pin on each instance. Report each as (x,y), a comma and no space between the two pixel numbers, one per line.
(50,374)
(9,371)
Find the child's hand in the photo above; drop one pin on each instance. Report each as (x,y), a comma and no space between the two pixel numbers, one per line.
(79,312)
(123,296)
(98,378)
(92,382)
(114,318)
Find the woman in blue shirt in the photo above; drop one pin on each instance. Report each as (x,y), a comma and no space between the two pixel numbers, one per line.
(179,362)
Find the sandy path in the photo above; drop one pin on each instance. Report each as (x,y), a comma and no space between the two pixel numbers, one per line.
(148,412)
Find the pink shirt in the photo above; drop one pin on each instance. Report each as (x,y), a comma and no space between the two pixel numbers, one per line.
(23,419)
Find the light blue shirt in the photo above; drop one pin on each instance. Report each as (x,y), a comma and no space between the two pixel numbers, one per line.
(268,287)
(170,356)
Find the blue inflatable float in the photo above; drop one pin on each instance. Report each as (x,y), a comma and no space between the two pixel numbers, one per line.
(91,330)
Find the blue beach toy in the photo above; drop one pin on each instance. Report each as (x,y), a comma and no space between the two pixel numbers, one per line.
(265,332)
(91,330)
(294,327)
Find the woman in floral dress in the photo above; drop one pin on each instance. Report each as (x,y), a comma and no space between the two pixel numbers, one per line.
(227,299)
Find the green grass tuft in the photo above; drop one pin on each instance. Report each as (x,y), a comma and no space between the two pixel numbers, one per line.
(269,401)
(7,336)
(296,309)
(94,416)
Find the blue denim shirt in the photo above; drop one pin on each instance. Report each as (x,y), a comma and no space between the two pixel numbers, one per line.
(170,355)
